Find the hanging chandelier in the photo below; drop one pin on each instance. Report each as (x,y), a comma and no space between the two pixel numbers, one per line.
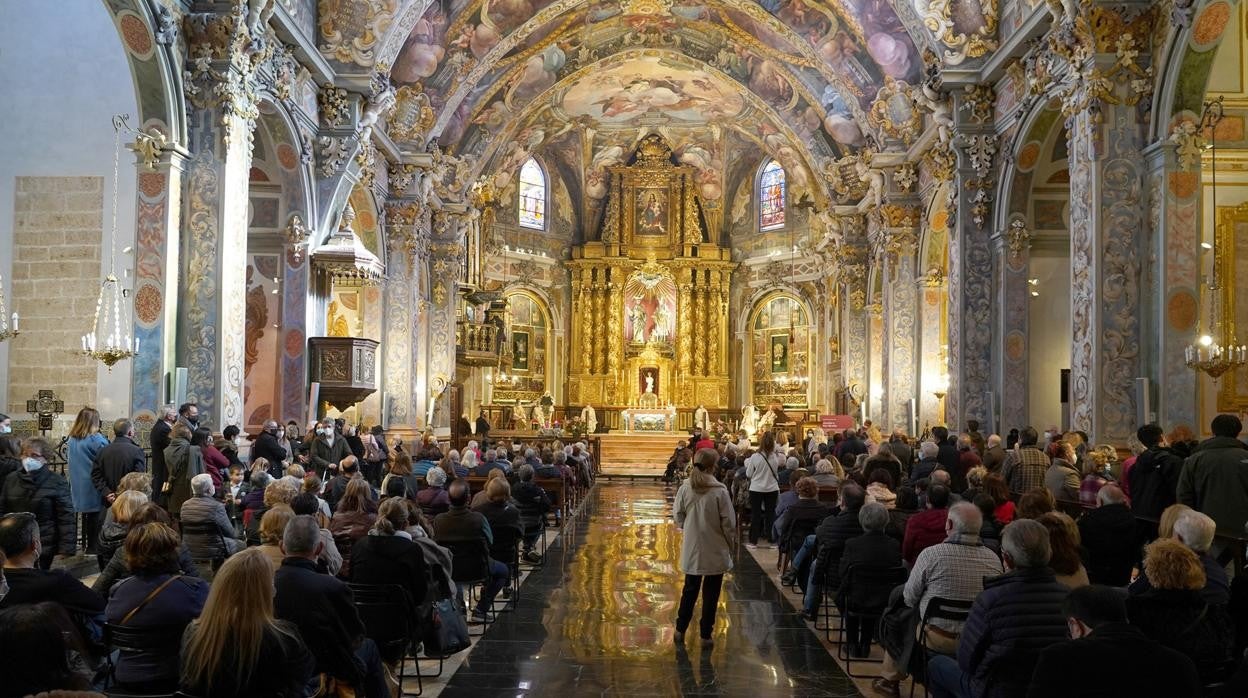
(7,331)
(109,340)
(1217,348)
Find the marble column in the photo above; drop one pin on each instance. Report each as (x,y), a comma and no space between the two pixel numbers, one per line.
(1013,249)
(446,253)
(901,299)
(971,279)
(852,272)
(1107,212)
(407,238)
(1171,281)
(934,361)
(157,241)
(223,95)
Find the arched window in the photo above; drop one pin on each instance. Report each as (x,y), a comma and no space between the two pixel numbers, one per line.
(532,196)
(771,197)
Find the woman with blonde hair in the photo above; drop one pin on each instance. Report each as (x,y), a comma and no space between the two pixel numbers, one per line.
(387,555)
(85,444)
(237,647)
(351,520)
(117,524)
(272,526)
(1174,613)
(703,511)
(1171,514)
(400,481)
(479,499)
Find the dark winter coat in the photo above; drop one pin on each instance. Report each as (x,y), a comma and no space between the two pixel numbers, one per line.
(1017,616)
(1183,620)
(831,536)
(1107,534)
(1154,480)
(1146,669)
(46,495)
(1215,481)
(116,460)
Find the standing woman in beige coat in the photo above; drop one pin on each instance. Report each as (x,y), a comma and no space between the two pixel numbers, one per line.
(704,512)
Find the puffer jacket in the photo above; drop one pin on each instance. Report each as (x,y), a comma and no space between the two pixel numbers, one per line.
(112,538)
(1215,481)
(1017,615)
(831,536)
(46,495)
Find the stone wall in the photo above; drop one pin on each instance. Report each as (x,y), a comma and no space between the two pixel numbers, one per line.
(56,276)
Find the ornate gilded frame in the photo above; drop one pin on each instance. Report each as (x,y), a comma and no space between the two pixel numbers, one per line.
(1233,391)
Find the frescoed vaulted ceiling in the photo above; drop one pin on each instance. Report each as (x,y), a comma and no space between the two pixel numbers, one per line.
(798,80)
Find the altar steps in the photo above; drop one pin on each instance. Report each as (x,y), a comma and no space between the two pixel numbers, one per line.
(636,454)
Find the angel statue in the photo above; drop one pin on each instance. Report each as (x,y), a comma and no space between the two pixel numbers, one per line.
(874,179)
(929,98)
(749,420)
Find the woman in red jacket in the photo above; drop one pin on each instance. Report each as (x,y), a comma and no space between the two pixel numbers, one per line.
(215,462)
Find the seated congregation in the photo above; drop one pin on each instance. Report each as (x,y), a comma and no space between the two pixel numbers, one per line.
(310,571)
(1019,569)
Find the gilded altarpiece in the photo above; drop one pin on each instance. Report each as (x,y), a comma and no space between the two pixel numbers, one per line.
(650,294)
(1232,248)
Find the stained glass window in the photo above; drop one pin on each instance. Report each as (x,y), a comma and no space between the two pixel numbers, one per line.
(532,196)
(771,197)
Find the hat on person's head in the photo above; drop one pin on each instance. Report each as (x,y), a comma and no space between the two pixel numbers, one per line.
(436,477)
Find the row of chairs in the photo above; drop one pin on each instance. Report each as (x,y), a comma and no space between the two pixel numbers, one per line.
(867,590)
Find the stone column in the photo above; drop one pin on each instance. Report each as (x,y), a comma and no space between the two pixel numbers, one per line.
(901,301)
(971,271)
(1107,216)
(408,243)
(934,360)
(1171,281)
(852,270)
(446,253)
(1013,249)
(221,88)
(156,293)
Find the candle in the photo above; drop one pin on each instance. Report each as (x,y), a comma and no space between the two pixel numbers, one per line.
(136,345)
(84,342)
(15,319)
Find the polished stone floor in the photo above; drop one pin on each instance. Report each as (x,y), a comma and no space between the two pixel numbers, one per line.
(597,620)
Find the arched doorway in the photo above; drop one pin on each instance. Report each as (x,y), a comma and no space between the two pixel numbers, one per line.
(780,343)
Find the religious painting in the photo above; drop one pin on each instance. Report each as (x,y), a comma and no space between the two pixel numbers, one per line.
(779,353)
(520,351)
(625,92)
(649,308)
(651,212)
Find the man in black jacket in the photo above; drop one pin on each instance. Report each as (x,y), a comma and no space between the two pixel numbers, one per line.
(1108,657)
(38,490)
(947,452)
(1104,532)
(22,547)
(268,448)
(464,526)
(116,460)
(1153,480)
(322,608)
(830,536)
(159,440)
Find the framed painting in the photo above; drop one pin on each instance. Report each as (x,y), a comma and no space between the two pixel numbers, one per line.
(519,350)
(652,212)
(779,353)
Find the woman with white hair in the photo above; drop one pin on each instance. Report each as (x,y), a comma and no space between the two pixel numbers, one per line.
(202,513)
(828,473)
(433,499)
(469,462)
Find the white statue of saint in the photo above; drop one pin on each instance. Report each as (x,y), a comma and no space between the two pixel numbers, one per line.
(638,316)
(702,419)
(590,417)
(749,420)
(649,381)
(661,319)
(539,415)
(768,420)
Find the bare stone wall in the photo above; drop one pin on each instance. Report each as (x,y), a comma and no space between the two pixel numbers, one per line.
(57,231)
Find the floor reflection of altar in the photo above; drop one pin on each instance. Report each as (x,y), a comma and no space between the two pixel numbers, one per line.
(651,420)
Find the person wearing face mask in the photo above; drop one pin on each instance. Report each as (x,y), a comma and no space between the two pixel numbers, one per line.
(159,440)
(188,414)
(10,456)
(6,424)
(38,490)
(328,449)
(268,447)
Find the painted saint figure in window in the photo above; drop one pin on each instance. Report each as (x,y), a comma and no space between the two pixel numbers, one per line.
(532,196)
(771,193)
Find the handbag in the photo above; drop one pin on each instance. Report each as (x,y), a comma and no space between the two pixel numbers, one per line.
(446,633)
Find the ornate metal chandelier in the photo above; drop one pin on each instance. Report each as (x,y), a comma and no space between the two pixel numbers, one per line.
(109,340)
(1216,349)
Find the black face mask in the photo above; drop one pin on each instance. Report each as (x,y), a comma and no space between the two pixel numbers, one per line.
(193,420)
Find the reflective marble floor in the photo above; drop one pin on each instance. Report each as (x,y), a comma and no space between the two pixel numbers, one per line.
(598,620)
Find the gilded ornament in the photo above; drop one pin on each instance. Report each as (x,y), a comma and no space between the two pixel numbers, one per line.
(978,102)
(893,113)
(941,162)
(938,17)
(334,154)
(1190,144)
(905,177)
(368,22)
(413,116)
(334,105)
(1018,239)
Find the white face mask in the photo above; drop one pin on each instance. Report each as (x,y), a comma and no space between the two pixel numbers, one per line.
(6,428)
(31,464)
